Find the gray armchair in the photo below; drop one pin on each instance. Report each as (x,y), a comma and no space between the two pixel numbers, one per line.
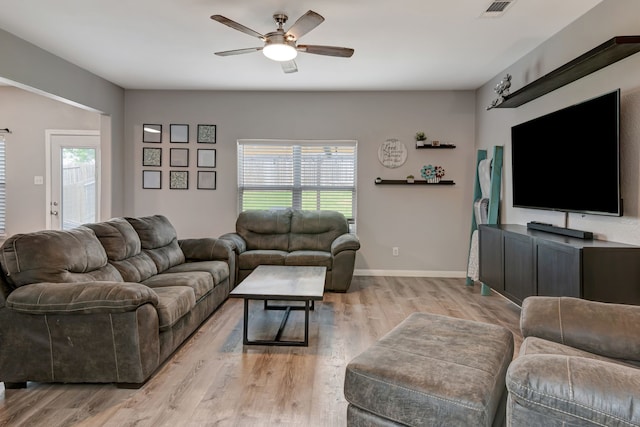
(579,364)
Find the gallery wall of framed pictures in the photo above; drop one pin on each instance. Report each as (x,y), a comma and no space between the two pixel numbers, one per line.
(178,153)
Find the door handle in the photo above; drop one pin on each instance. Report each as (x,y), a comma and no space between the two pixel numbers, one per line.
(54,213)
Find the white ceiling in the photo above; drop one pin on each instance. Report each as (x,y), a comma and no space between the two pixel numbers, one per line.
(400,45)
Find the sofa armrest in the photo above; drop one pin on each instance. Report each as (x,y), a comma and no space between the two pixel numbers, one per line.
(206,249)
(345,242)
(606,329)
(572,389)
(80,298)
(238,242)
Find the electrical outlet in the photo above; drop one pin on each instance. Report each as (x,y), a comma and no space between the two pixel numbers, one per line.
(396,251)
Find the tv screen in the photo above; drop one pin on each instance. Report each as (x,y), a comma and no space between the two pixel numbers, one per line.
(569,160)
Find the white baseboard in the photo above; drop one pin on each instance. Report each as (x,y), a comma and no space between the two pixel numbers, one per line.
(411,273)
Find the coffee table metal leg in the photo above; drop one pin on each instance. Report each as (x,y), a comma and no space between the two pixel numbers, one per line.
(308,305)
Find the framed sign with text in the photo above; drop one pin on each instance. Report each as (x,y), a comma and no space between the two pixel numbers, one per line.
(392,153)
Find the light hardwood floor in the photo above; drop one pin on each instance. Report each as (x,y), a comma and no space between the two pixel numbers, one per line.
(213,381)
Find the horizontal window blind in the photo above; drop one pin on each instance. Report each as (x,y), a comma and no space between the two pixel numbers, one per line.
(310,175)
(3,185)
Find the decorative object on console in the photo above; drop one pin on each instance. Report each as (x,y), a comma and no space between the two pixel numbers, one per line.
(151,156)
(207,134)
(502,89)
(432,174)
(392,153)
(420,139)
(152,133)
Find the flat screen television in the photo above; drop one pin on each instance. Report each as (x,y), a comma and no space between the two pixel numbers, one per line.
(569,160)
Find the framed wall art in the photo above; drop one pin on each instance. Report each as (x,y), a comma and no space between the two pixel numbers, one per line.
(152,133)
(152,179)
(179,134)
(151,156)
(206,158)
(178,180)
(179,157)
(207,134)
(206,180)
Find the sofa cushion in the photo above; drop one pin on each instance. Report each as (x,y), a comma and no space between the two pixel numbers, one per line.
(56,256)
(84,298)
(123,248)
(173,303)
(219,270)
(200,282)
(265,229)
(316,230)
(251,259)
(159,240)
(313,258)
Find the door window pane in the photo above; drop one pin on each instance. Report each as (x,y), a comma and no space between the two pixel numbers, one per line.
(79,197)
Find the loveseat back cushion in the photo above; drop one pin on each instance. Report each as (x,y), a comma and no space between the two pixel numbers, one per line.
(316,230)
(123,248)
(56,256)
(159,240)
(265,229)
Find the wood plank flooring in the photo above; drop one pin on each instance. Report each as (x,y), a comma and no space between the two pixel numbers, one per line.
(214,381)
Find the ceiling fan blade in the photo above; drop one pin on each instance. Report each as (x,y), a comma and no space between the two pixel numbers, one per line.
(304,24)
(343,52)
(233,24)
(289,66)
(239,51)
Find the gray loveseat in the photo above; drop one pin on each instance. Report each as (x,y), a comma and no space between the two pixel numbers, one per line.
(579,364)
(105,302)
(296,237)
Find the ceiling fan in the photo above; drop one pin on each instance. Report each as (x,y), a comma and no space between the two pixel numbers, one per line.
(280,45)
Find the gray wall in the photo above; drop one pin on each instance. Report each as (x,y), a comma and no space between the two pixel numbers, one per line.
(28,115)
(610,18)
(430,225)
(31,68)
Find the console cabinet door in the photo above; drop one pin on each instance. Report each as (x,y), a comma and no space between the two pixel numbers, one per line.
(490,250)
(559,270)
(519,262)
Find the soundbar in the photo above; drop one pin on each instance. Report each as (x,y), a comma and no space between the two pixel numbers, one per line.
(570,232)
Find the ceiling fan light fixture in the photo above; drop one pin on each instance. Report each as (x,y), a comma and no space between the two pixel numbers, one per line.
(280,52)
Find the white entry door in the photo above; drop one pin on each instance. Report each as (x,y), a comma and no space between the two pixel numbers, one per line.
(73,178)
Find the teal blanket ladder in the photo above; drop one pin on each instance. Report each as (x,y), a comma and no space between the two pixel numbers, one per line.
(494,199)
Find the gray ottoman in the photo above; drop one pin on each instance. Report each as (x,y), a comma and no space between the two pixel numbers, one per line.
(431,370)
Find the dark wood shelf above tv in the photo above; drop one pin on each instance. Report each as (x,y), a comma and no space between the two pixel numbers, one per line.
(417,182)
(606,54)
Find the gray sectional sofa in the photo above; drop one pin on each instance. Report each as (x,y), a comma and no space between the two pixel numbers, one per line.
(105,302)
(296,237)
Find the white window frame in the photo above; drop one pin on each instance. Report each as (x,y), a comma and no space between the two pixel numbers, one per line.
(3,187)
(295,181)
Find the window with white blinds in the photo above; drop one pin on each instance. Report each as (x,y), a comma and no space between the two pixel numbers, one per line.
(310,175)
(3,185)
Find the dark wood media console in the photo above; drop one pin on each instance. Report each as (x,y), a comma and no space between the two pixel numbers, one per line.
(519,262)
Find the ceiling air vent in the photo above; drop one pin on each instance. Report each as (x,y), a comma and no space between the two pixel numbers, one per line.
(497,8)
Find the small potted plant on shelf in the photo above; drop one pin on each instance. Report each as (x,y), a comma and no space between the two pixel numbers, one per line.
(410,179)
(420,139)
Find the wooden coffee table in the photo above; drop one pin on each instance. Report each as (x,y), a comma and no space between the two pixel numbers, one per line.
(282,283)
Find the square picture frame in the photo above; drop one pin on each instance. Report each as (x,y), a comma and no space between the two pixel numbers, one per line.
(152,133)
(206,180)
(207,134)
(179,157)
(206,158)
(151,179)
(151,156)
(178,180)
(179,134)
